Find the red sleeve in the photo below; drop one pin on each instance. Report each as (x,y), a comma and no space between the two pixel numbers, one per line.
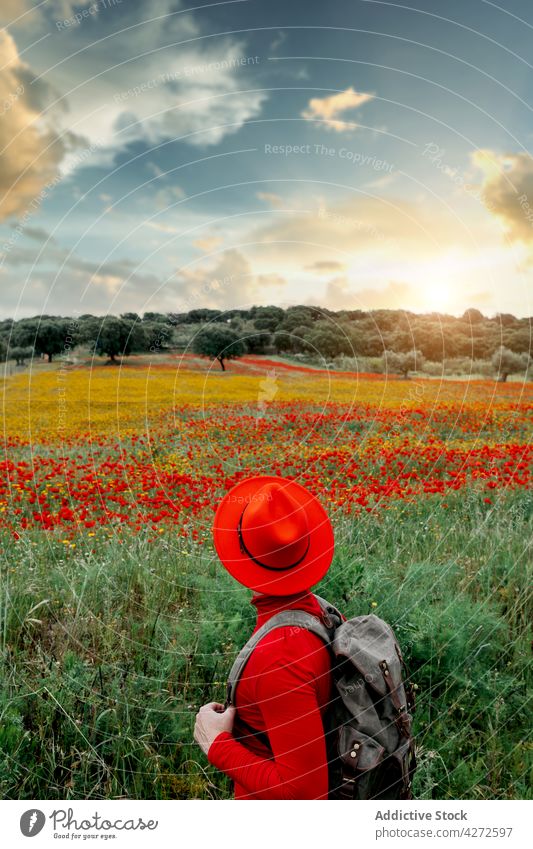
(286,694)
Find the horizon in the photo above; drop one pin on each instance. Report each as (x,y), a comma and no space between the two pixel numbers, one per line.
(417,314)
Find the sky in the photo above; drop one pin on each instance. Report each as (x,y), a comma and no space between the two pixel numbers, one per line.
(354,154)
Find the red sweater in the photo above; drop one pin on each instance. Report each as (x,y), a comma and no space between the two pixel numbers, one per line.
(284,690)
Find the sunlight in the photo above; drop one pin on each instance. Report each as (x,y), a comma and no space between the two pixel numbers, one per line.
(438,296)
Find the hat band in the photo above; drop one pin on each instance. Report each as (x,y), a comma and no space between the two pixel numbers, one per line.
(264,565)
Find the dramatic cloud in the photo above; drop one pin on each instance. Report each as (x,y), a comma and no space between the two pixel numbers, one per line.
(508,191)
(326,110)
(155,84)
(31,149)
(141,73)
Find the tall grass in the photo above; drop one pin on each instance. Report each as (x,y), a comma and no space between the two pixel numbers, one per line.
(109,648)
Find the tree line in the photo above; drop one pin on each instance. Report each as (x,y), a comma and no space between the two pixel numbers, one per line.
(403,339)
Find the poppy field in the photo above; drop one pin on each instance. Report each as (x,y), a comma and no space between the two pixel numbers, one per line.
(117,622)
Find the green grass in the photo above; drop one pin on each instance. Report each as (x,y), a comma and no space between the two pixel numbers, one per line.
(107,654)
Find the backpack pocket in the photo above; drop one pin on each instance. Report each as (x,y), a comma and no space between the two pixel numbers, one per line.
(359,759)
(357,751)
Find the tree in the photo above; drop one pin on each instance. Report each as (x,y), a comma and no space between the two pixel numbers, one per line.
(267,318)
(115,337)
(484,341)
(369,344)
(519,340)
(328,341)
(506,362)
(283,341)
(352,315)
(294,341)
(428,337)
(200,315)
(297,317)
(473,316)
(505,319)
(399,340)
(385,319)
(402,363)
(454,344)
(20,355)
(218,342)
(257,341)
(6,324)
(49,337)
(158,336)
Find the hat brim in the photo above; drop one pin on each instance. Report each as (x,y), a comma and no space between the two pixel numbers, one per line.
(306,573)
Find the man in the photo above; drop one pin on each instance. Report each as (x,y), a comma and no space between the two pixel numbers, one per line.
(274,537)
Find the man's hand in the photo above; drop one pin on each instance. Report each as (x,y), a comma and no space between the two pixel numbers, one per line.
(211,720)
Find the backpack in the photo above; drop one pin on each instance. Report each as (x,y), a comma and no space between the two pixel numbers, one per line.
(367,724)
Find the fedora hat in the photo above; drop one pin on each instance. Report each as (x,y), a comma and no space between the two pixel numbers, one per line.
(273,535)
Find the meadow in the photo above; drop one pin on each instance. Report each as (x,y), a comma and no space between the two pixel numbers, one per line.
(117,621)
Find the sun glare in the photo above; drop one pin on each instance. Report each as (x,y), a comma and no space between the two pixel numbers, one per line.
(438,296)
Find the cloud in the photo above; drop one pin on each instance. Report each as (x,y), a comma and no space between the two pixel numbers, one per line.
(166,197)
(208,244)
(161,228)
(38,234)
(140,77)
(278,40)
(28,12)
(325,266)
(202,114)
(481,299)
(345,230)
(13,9)
(269,281)
(382,182)
(31,148)
(227,283)
(65,283)
(164,81)
(69,284)
(326,110)
(340,294)
(275,201)
(507,191)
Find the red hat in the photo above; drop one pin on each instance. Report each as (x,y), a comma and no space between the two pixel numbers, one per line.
(273,535)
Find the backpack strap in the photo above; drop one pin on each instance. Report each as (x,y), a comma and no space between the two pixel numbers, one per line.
(296,619)
(330,612)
